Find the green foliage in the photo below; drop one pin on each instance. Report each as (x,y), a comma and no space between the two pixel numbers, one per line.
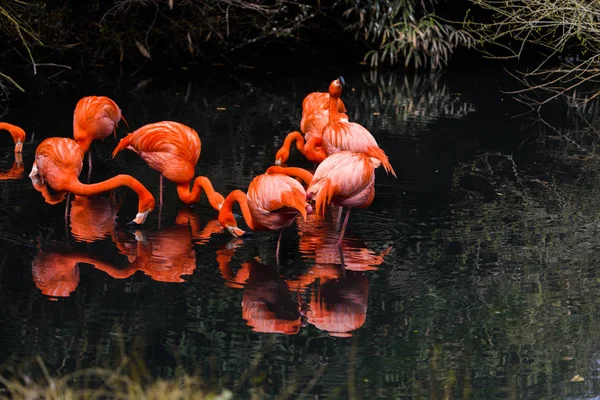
(399,30)
(554,27)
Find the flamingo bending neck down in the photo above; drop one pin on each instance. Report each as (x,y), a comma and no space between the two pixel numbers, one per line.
(17,134)
(272,203)
(315,115)
(341,135)
(344,178)
(58,162)
(173,149)
(95,118)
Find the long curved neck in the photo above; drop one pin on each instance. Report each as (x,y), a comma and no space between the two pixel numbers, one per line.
(190,197)
(294,137)
(84,140)
(314,150)
(82,189)
(294,172)
(226,213)
(16,132)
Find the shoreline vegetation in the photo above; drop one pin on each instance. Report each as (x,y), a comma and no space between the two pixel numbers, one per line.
(556,43)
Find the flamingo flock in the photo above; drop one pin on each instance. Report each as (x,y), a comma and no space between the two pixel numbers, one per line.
(347,155)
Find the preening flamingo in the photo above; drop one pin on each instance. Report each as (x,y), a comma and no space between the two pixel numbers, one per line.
(315,115)
(17,134)
(344,178)
(172,149)
(58,162)
(95,118)
(273,202)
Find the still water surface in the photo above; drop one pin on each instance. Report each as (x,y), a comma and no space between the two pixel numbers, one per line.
(472,275)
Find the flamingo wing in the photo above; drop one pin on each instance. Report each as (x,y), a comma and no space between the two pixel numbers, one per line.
(271,193)
(96,116)
(57,160)
(169,147)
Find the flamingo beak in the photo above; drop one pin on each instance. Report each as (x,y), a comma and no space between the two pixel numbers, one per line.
(278,162)
(18,147)
(235,231)
(140,218)
(342,80)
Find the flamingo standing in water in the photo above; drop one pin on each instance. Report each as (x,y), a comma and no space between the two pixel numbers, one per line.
(58,162)
(17,134)
(273,202)
(344,178)
(340,135)
(315,115)
(173,150)
(95,118)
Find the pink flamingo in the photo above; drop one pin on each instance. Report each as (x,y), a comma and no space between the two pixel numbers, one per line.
(344,178)
(173,149)
(272,203)
(315,115)
(95,118)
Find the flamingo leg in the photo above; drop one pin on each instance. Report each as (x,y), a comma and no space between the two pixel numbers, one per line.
(66,214)
(342,261)
(89,166)
(160,201)
(339,217)
(339,242)
(278,246)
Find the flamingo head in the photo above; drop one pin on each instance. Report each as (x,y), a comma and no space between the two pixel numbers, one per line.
(335,88)
(235,231)
(281,156)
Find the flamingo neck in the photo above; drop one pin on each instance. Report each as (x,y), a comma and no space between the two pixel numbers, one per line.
(190,197)
(146,200)
(84,140)
(17,133)
(226,214)
(293,172)
(334,115)
(314,150)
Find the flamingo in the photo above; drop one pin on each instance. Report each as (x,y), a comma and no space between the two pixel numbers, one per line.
(17,134)
(172,149)
(272,203)
(340,135)
(344,178)
(95,118)
(58,162)
(315,115)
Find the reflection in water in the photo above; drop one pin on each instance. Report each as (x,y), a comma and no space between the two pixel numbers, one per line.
(318,242)
(93,218)
(268,305)
(164,255)
(339,305)
(167,254)
(55,269)
(16,171)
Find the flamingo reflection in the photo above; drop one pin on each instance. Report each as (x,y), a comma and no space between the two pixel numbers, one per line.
(318,242)
(168,254)
(339,305)
(16,171)
(93,218)
(55,269)
(268,305)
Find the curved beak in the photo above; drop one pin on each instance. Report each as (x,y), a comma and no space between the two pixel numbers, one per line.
(140,218)
(278,162)
(18,147)
(342,80)
(235,231)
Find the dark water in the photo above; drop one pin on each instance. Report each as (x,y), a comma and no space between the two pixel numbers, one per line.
(472,275)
